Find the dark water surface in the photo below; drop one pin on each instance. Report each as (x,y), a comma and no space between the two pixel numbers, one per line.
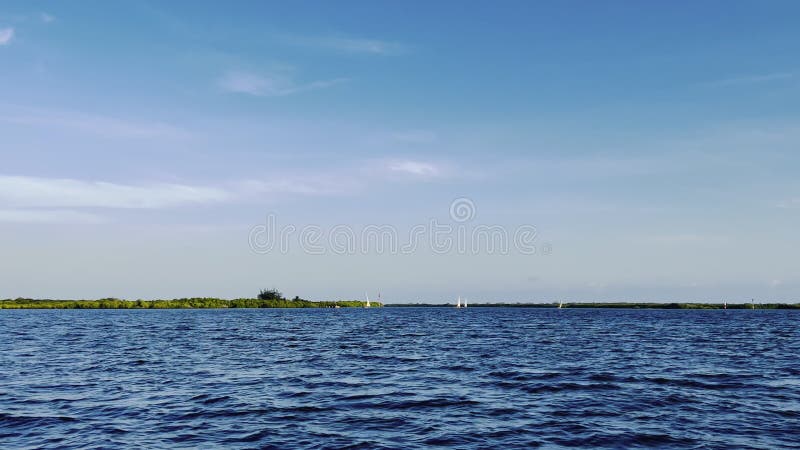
(399,378)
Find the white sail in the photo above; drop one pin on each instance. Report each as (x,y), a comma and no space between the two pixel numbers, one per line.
(458,304)
(465,302)
(367,296)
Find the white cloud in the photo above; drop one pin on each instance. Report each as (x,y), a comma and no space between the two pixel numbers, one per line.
(270,85)
(416,168)
(47,18)
(32,192)
(89,123)
(6,35)
(309,184)
(349,44)
(345,180)
(48,216)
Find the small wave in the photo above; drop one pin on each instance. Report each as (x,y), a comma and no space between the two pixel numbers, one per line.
(252,437)
(560,387)
(428,403)
(25,421)
(524,376)
(682,382)
(213,400)
(460,368)
(627,440)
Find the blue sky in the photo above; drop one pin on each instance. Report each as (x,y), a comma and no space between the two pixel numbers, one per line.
(654,146)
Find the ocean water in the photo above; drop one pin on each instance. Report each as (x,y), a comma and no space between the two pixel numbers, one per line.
(399,378)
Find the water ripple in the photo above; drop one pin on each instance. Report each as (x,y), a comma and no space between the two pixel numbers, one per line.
(399,378)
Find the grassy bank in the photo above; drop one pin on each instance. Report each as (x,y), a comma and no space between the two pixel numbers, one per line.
(113,303)
(612,305)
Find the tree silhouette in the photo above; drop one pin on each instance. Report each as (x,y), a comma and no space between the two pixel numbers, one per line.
(270,294)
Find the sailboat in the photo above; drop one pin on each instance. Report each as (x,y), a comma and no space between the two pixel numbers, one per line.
(465,302)
(367,296)
(458,304)
(724,304)
(560,304)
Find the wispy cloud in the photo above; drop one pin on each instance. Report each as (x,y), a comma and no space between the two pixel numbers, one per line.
(89,123)
(58,216)
(751,79)
(310,184)
(415,168)
(47,18)
(6,35)
(349,44)
(20,193)
(32,192)
(345,180)
(270,85)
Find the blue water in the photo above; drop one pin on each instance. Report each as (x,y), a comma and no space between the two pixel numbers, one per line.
(399,378)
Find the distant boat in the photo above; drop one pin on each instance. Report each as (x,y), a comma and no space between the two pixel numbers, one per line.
(458,304)
(465,302)
(367,296)
(560,304)
(724,305)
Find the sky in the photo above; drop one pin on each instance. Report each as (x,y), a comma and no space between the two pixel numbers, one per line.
(650,149)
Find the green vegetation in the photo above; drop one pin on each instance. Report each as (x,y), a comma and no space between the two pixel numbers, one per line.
(272,299)
(614,305)
(267,298)
(270,294)
(684,305)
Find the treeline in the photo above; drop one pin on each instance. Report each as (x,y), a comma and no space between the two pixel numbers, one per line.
(684,305)
(613,305)
(114,303)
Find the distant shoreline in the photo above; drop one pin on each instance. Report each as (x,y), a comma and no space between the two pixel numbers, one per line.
(610,305)
(215,303)
(181,303)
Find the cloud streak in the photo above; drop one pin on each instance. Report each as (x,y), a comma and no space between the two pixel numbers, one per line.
(32,192)
(308,184)
(28,199)
(6,35)
(49,216)
(415,168)
(270,85)
(345,44)
(89,123)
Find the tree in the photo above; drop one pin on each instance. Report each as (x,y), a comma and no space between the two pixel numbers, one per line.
(270,294)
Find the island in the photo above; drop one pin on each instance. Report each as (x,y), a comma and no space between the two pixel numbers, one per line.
(269,298)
